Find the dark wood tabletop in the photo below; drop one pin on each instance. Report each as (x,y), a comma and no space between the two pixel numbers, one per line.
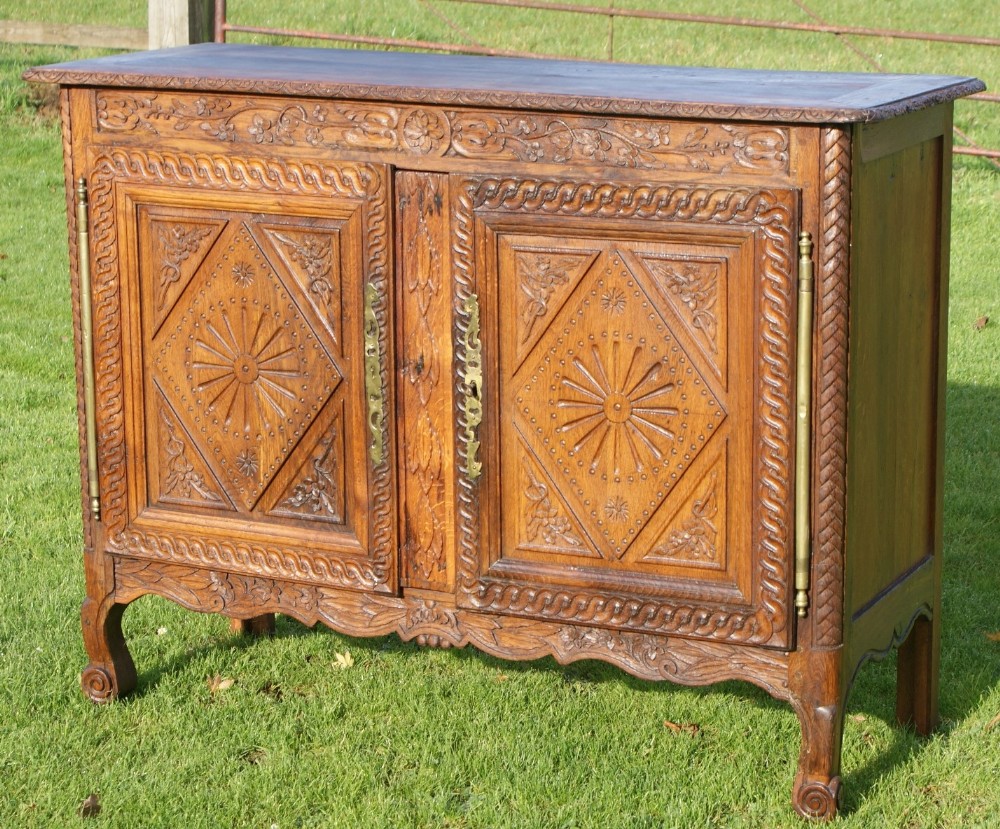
(809,97)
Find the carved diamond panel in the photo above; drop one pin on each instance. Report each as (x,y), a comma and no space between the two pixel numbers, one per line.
(245,367)
(613,404)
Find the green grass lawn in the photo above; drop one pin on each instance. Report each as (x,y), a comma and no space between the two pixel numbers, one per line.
(405,737)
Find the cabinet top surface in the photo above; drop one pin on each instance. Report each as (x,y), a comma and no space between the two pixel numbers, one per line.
(627,89)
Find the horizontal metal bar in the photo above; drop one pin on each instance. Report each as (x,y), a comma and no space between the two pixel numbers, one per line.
(678,17)
(976,151)
(395,42)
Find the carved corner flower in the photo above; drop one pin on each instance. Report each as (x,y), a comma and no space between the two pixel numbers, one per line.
(422,131)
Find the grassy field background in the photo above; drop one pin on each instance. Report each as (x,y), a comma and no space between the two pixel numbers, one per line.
(404,737)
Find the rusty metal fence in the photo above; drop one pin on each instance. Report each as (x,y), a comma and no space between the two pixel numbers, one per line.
(967,145)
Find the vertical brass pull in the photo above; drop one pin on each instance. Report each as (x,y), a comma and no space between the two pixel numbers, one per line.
(473,379)
(803,407)
(87,344)
(373,376)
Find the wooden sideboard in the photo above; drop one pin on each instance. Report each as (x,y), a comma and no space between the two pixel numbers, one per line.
(627,363)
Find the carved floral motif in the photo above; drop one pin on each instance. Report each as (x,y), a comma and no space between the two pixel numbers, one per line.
(178,242)
(616,510)
(545,520)
(319,493)
(696,286)
(428,130)
(539,275)
(182,480)
(314,254)
(243,274)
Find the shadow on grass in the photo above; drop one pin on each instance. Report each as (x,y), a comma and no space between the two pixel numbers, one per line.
(970,660)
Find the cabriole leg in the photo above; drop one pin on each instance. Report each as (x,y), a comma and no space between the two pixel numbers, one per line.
(111,672)
(814,679)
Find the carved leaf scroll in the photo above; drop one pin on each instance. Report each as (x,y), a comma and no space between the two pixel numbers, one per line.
(546,524)
(184,477)
(318,491)
(696,540)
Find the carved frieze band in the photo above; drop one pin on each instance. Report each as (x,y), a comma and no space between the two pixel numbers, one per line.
(831,421)
(770,212)
(430,623)
(435,131)
(220,172)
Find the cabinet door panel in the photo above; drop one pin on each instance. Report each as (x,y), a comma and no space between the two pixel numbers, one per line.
(636,440)
(245,319)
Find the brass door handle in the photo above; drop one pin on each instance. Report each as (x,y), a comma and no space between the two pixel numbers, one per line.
(473,381)
(87,344)
(373,376)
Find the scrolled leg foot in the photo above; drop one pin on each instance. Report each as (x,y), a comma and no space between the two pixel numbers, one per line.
(817,799)
(98,683)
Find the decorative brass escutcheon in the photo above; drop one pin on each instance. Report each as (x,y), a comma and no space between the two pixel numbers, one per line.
(87,343)
(473,380)
(803,423)
(373,376)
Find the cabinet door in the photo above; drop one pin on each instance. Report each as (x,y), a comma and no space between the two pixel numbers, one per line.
(636,438)
(242,317)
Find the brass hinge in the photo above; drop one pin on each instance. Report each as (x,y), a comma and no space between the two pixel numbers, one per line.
(803,437)
(87,344)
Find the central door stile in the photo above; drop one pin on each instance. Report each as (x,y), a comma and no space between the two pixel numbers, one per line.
(424,377)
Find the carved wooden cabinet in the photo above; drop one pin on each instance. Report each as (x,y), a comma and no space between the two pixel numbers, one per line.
(637,364)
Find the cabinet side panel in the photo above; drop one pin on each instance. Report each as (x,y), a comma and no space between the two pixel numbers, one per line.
(425,400)
(898,273)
